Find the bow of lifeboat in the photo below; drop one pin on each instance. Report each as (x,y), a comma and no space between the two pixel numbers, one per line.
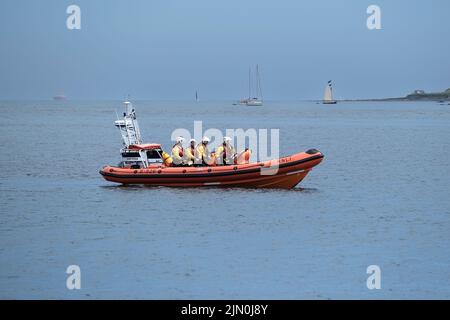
(284,172)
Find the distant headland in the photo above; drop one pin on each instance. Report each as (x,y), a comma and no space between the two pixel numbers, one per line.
(417,95)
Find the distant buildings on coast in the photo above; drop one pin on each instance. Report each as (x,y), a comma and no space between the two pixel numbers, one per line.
(416,95)
(434,96)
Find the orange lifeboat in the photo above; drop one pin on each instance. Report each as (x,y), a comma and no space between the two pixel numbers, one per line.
(285,173)
(148,164)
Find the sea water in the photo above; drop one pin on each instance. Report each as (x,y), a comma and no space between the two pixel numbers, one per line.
(381,197)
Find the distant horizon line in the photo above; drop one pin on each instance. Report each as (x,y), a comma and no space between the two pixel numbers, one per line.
(164,99)
(68,98)
(206,100)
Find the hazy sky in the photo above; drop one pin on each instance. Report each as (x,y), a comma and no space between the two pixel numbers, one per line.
(166,49)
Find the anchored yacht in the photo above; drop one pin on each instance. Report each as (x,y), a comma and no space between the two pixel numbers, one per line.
(254,90)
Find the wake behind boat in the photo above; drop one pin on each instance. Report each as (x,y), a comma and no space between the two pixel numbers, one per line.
(147,164)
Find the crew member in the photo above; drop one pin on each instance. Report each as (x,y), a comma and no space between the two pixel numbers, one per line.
(225,153)
(189,153)
(178,152)
(202,155)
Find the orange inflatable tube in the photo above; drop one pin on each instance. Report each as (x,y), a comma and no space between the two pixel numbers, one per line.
(284,172)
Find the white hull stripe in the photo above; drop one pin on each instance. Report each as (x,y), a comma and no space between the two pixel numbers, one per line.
(211,183)
(294,172)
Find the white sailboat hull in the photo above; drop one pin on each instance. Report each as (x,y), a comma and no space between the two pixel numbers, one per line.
(254,103)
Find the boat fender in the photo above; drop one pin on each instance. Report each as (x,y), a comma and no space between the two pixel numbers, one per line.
(167,159)
(243,157)
(212,159)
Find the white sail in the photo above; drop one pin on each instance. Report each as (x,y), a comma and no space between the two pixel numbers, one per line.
(328,96)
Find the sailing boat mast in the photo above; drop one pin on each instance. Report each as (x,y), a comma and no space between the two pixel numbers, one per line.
(256,98)
(254,93)
(258,84)
(249,83)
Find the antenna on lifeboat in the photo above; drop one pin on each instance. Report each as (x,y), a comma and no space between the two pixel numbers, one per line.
(129,127)
(127,105)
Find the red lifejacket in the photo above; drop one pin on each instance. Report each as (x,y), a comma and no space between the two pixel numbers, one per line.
(224,151)
(181,153)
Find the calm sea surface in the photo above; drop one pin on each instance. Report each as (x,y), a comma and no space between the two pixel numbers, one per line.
(380,197)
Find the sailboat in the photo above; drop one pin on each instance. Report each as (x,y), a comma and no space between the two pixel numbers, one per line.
(256,100)
(328,96)
(196,96)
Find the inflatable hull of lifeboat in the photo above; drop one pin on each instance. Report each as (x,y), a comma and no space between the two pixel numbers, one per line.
(285,172)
